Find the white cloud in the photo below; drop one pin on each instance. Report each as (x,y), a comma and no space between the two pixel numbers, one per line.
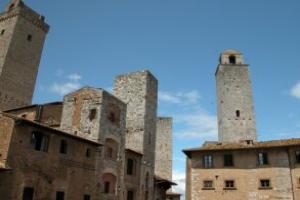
(179,178)
(197,125)
(190,97)
(295,91)
(74,77)
(72,83)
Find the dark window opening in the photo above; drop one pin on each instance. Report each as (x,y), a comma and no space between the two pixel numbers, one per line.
(207,184)
(39,141)
(2,31)
(112,117)
(207,161)
(228,160)
(106,187)
(63,147)
(29,37)
(232,59)
(130,195)
(109,152)
(229,184)
(237,113)
(263,158)
(265,183)
(297,156)
(60,195)
(88,153)
(130,166)
(93,113)
(86,197)
(28,193)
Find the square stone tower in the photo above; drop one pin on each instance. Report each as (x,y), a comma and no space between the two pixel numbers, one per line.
(163,156)
(236,119)
(97,115)
(22,36)
(139,91)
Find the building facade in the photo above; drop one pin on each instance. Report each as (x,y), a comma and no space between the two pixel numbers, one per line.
(237,166)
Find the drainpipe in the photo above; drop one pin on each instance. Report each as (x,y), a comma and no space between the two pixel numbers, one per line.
(290,166)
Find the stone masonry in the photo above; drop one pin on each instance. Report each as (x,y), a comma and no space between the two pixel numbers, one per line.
(163,153)
(236,119)
(22,36)
(139,91)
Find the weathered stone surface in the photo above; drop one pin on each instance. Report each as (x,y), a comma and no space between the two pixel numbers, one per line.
(22,36)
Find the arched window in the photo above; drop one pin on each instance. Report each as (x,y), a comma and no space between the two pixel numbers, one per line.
(232,59)
(109,183)
(238,113)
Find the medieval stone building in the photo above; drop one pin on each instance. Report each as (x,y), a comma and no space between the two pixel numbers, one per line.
(237,166)
(92,145)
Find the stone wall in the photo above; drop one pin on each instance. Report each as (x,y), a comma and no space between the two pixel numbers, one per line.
(139,91)
(236,119)
(163,153)
(49,171)
(22,36)
(247,175)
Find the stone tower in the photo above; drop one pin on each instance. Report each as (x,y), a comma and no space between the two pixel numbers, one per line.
(236,119)
(22,36)
(139,91)
(163,161)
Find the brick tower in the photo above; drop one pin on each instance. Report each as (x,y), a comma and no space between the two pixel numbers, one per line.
(22,36)
(236,119)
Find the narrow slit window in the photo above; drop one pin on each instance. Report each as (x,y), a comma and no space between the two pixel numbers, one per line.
(238,113)
(2,31)
(29,37)
(92,115)
(63,147)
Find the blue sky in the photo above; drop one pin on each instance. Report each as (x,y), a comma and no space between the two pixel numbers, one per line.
(90,42)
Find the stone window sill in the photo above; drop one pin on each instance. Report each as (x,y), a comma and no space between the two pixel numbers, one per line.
(229,189)
(265,188)
(208,188)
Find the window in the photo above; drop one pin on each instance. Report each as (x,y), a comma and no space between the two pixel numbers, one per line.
(60,195)
(229,184)
(109,152)
(106,187)
(207,161)
(29,37)
(112,117)
(228,160)
(207,184)
(130,195)
(263,158)
(232,59)
(39,141)
(2,31)
(88,153)
(265,183)
(86,197)
(28,193)
(297,156)
(130,166)
(237,113)
(93,113)
(63,147)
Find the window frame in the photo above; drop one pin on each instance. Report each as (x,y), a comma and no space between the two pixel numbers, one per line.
(207,160)
(229,184)
(40,141)
(228,160)
(262,186)
(262,158)
(297,156)
(209,186)
(63,148)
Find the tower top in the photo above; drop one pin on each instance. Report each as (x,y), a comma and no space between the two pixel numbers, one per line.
(14,4)
(231,57)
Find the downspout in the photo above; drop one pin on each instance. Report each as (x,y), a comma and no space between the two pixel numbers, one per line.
(290,168)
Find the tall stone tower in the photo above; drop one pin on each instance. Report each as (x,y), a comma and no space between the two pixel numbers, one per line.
(236,119)
(139,91)
(22,36)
